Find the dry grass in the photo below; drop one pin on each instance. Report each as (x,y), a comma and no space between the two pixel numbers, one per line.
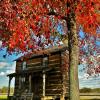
(89,97)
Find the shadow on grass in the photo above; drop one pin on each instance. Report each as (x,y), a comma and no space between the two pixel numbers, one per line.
(89,99)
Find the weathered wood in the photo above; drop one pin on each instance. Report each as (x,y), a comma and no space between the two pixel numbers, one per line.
(30,84)
(44,80)
(18,66)
(53,60)
(56,56)
(34,64)
(39,83)
(37,60)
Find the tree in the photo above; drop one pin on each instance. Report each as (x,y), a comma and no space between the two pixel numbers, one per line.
(21,19)
(4,90)
(85,90)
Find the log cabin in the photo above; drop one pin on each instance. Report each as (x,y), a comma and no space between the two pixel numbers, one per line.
(42,76)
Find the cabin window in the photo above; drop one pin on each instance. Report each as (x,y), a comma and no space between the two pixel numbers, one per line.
(24,65)
(45,62)
(23,80)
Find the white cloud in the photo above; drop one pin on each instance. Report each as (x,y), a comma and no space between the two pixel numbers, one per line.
(2,73)
(9,72)
(80,77)
(83,77)
(8,68)
(3,64)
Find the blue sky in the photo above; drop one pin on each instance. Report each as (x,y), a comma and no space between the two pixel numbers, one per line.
(91,82)
(7,66)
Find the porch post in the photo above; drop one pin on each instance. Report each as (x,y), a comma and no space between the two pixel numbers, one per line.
(43,98)
(10,78)
(43,84)
(30,83)
(45,64)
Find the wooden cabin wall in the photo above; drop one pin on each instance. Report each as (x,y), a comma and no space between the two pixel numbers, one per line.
(54,77)
(18,66)
(57,80)
(33,64)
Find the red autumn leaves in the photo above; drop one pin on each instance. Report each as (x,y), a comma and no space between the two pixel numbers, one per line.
(19,19)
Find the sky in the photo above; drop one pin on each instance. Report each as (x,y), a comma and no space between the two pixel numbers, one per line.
(89,82)
(7,66)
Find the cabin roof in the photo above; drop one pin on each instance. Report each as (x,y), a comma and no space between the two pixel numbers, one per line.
(45,52)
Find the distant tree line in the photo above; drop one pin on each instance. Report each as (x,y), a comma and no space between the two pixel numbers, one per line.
(83,90)
(89,90)
(5,90)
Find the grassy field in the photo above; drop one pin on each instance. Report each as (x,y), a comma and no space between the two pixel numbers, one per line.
(89,97)
(3,97)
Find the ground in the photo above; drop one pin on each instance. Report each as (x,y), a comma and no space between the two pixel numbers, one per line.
(4,97)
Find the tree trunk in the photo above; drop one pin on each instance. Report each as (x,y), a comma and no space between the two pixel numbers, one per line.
(73,56)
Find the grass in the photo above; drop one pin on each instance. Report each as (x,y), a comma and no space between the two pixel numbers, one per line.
(3,97)
(89,97)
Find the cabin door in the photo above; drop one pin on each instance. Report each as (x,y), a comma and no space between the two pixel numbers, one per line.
(36,82)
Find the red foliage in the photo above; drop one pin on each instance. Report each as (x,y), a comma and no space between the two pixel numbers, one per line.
(20,18)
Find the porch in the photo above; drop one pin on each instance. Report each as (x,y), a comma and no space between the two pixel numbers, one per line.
(33,85)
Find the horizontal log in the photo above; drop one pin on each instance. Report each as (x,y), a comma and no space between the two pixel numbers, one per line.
(53,85)
(54,61)
(34,64)
(57,56)
(34,60)
(55,71)
(54,64)
(33,67)
(53,91)
(54,77)
(51,94)
(54,81)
